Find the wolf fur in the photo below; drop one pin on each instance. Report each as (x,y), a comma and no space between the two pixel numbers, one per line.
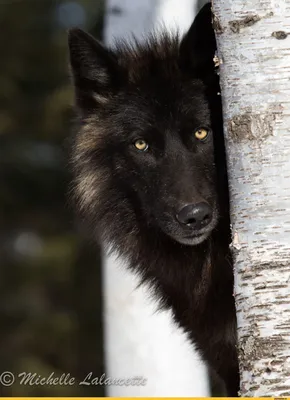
(160,91)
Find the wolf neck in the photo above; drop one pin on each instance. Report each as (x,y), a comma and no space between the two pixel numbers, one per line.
(180,276)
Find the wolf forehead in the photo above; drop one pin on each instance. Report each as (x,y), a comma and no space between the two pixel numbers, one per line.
(157,56)
(155,68)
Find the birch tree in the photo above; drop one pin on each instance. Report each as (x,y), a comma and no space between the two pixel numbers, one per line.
(254,58)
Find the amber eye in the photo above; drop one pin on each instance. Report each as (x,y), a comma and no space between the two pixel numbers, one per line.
(201,134)
(141,145)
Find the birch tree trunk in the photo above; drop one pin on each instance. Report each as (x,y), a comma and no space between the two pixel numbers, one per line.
(138,340)
(254,52)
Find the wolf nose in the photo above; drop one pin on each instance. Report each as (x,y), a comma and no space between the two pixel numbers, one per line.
(196,216)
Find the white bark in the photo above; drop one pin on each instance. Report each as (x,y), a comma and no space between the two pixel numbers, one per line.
(138,340)
(254,49)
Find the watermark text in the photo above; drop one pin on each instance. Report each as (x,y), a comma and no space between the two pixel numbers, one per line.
(7,378)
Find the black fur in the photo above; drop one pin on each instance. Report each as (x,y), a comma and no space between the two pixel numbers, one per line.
(162,91)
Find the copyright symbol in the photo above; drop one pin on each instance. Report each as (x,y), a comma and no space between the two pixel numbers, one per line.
(7,378)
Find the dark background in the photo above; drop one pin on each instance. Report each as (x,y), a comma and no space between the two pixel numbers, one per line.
(50,298)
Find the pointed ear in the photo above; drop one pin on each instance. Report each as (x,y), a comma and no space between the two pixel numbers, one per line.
(95,69)
(197,48)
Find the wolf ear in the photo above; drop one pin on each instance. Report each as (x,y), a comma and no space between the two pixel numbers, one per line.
(94,68)
(197,48)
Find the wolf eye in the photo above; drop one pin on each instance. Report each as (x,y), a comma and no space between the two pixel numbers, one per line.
(141,145)
(201,134)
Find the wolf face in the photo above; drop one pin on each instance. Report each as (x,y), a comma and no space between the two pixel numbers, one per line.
(145,154)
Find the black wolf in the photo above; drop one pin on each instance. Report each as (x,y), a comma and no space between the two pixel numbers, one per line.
(150,175)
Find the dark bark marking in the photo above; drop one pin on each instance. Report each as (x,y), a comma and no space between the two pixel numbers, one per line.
(116,10)
(238,24)
(253,348)
(239,128)
(217,26)
(280,35)
(250,126)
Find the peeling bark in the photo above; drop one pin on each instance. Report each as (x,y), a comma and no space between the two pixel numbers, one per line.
(253,42)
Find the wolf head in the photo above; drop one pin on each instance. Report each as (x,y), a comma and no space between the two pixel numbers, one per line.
(150,131)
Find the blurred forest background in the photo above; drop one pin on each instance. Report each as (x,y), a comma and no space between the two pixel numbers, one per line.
(50,299)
